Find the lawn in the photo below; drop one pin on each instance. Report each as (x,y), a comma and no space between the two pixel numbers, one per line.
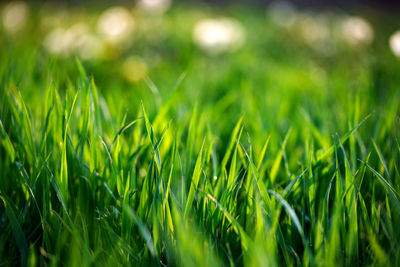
(176,134)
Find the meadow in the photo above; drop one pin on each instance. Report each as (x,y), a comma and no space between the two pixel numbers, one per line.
(175,134)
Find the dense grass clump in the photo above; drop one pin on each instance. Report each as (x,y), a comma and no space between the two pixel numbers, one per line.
(274,154)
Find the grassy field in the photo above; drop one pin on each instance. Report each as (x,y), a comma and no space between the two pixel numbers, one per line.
(145,144)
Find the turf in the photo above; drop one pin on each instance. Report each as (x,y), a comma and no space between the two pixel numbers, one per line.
(274,154)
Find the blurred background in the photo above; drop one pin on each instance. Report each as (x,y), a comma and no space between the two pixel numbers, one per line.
(390,5)
(279,55)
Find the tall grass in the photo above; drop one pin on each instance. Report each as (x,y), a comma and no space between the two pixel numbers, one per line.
(239,174)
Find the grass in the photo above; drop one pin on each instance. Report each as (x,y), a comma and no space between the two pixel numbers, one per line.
(275,154)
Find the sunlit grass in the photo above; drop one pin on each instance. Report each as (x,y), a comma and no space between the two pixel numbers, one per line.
(156,150)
